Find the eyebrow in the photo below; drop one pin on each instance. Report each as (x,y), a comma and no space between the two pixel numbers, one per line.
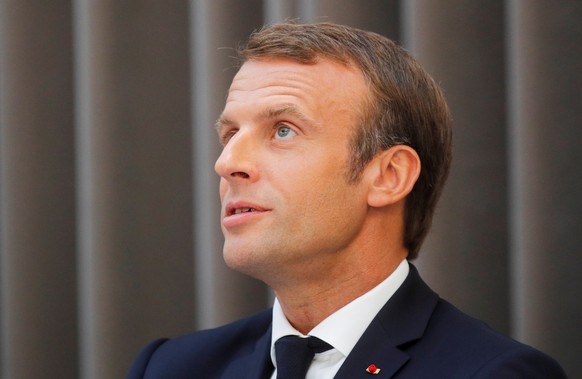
(222,121)
(291,110)
(269,113)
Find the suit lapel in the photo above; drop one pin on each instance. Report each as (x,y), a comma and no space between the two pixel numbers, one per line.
(256,365)
(261,366)
(373,348)
(401,321)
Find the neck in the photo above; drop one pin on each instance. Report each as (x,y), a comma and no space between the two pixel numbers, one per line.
(307,303)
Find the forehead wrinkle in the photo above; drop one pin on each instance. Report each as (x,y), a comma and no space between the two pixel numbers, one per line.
(287,109)
(292,84)
(286,90)
(269,114)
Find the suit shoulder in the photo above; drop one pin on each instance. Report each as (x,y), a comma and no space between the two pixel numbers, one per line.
(244,329)
(462,328)
(234,334)
(522,361)
(202,350)
(476,350)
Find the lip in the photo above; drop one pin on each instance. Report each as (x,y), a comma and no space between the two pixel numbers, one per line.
(231,218)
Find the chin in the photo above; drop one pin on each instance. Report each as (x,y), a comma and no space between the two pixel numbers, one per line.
(243,261)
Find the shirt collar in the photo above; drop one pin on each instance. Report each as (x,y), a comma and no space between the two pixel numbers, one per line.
(358,314)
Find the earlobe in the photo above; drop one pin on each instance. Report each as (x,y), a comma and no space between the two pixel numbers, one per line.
(393,174)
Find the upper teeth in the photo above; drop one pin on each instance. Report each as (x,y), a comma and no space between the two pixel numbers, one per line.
(243,210)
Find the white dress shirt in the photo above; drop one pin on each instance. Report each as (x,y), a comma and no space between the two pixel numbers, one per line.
(343,328)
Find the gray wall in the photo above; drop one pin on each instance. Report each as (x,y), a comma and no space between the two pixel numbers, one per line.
(109,230)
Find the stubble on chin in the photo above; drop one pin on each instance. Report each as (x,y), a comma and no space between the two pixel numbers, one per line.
(244,260)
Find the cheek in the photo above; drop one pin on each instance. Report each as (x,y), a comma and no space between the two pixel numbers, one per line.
(327,197)
(314,183)
(222,188)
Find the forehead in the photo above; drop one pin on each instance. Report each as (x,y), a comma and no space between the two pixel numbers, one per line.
(279,82)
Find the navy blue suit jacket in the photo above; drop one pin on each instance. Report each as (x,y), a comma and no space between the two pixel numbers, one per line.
(416,335)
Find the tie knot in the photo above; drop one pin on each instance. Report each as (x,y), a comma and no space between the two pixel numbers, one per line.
(294,355)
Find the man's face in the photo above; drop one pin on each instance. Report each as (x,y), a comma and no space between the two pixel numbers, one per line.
(288,210)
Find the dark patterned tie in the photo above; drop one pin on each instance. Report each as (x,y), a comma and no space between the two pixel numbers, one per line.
(294,355)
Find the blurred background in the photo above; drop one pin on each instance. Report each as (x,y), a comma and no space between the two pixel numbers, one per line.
(109,227)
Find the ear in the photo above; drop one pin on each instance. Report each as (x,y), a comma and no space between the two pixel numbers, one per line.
(392,175)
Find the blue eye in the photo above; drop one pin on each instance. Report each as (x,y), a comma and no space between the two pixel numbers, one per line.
(284,132)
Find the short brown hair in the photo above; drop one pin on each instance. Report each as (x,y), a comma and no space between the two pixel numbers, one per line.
(406,106)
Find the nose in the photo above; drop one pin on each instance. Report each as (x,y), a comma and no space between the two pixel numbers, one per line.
(238,159)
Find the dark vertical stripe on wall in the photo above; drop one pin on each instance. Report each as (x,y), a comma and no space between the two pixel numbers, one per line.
(135,179)
(466,256)
(380,16)
(279,10)
(37,206)
(546,135)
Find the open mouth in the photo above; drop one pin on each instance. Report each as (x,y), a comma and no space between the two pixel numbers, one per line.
(243,210)
(237,209)
(239,213)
